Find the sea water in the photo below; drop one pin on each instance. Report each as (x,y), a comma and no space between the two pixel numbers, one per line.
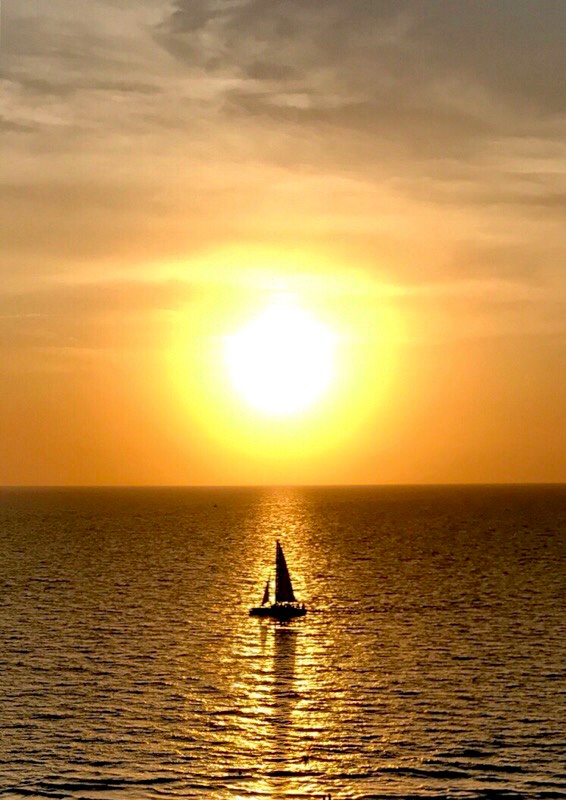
(431,662)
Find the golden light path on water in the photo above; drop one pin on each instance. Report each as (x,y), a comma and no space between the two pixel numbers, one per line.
(290,702)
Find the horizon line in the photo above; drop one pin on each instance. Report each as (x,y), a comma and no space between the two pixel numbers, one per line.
(274,485)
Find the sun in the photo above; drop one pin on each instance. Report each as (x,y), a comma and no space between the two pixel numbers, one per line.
(282,362)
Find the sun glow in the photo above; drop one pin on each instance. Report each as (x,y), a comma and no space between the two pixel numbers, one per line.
(283,361)
(279,370)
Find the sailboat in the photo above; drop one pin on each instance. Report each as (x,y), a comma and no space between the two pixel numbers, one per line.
(285,606)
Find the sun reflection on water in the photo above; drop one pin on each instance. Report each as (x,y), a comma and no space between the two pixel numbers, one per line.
(266,693)
(283,672)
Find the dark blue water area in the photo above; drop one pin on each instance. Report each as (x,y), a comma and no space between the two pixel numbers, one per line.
(431,664)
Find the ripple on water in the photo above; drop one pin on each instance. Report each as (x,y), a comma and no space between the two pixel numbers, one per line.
(430,666)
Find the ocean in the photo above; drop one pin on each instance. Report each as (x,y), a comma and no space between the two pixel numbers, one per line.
(431,663)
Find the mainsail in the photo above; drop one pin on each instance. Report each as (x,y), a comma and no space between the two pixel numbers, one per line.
(283,585)
(285,606)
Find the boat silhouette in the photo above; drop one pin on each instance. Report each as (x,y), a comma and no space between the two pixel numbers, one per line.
(285,606)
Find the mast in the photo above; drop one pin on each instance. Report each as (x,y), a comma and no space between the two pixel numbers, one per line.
(283,586)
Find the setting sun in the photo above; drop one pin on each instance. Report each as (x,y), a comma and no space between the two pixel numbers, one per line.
(282,361)
(282,391)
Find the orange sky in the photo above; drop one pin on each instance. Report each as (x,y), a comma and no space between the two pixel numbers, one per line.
(171,170)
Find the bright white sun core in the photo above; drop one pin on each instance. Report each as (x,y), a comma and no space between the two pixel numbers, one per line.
(282,362)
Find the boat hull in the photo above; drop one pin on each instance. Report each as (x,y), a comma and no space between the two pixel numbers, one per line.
(280,611)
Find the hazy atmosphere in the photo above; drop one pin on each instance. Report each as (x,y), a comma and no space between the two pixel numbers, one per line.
(282,399)
(385,178)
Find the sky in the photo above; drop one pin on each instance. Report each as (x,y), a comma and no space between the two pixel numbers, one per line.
(393,169)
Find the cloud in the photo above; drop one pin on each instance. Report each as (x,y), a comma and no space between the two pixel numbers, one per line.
(388,54)
(60,64)
(138,132)
(427,98)
(96,316)
(92,299)
(11,126)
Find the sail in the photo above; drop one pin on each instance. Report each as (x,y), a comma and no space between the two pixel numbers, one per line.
(283,585)
(265,594)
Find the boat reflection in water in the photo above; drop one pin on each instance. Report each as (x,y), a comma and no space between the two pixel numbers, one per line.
(284,767)
(285,606)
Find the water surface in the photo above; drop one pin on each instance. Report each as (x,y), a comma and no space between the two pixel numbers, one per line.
(431,663)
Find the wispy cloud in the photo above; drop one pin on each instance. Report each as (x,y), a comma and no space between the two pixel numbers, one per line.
(96,316)
(140,131)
